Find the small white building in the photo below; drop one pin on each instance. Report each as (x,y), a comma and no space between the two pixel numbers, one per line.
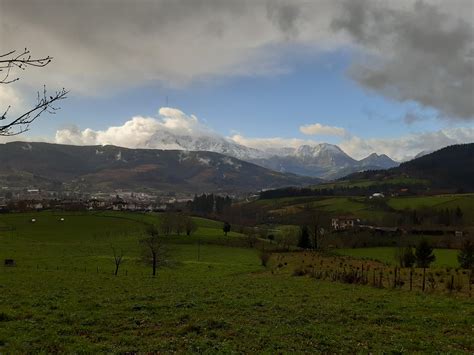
(343,222)
(377,195)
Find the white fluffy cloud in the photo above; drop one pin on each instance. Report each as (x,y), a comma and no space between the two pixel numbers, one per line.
(139,132)
(10,97)
(172,124)
(317,129)
(406,147)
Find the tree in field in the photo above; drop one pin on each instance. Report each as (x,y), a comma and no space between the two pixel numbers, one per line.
(226,228)
(405,256)
(466,255)
(424,257)
(154,251)
(16,61)
(408,257)
(287,237)
(424,254)
(118,259)
(304,240)
(190,225)
(167,223)
(179,222)
(459,216)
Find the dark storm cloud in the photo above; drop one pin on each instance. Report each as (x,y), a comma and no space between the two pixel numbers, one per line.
(413,51)
(417,54)
(285,16)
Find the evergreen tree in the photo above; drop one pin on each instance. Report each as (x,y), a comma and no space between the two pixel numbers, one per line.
(424,257)
(424,254)
(226,228)
(304,239)
(408,257)
(459,215)
(466,255)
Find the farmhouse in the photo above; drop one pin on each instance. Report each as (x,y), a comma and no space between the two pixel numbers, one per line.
(343,222)
(377,195)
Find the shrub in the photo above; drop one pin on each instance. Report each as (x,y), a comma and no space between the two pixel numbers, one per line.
(265,257)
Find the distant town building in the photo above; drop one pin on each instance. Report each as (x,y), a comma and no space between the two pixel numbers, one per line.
(377,195)
(343,222)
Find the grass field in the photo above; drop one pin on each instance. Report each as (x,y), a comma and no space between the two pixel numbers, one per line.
(464,201)
(368,183)
(62,297)
(361,208)
(444,257)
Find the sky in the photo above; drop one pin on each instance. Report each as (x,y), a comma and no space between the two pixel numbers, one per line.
(371,76)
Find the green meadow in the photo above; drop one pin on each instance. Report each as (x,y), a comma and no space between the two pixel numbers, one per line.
(444,257)
(215,297)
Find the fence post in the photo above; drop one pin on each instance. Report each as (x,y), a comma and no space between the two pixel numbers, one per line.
(424,279)
(469,281)
(411,278)
(395,277)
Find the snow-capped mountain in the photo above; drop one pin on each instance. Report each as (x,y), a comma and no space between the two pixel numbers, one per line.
(206,142)
(320,160)
(323,160)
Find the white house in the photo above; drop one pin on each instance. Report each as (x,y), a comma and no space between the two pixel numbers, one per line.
(343,222)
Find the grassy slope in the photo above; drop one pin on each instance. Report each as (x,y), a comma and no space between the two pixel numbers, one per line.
(444,257)
(464,201)
(224,302)
(357,206)
(368,183)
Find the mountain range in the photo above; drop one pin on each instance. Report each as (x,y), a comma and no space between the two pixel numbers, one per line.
(326,161)
(107,168)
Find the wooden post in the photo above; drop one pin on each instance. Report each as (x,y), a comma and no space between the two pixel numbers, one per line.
(395,277)
(469,281)
(199,249)
(411,279)
(424,279)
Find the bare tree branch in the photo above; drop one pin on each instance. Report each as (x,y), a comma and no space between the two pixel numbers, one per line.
(45,103)
(21,61)
(21,123)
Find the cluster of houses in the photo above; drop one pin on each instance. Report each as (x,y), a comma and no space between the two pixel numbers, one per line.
(116,203)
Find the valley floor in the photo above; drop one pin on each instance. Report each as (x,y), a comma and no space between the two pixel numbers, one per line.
(62,296)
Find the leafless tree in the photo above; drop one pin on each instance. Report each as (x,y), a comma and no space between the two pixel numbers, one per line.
(154,251)
(118,259)
(14,60)
(190,225)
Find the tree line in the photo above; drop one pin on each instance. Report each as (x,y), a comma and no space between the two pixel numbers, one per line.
(208,204)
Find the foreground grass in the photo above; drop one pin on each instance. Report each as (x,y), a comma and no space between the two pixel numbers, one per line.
(213,308)
(62,297)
